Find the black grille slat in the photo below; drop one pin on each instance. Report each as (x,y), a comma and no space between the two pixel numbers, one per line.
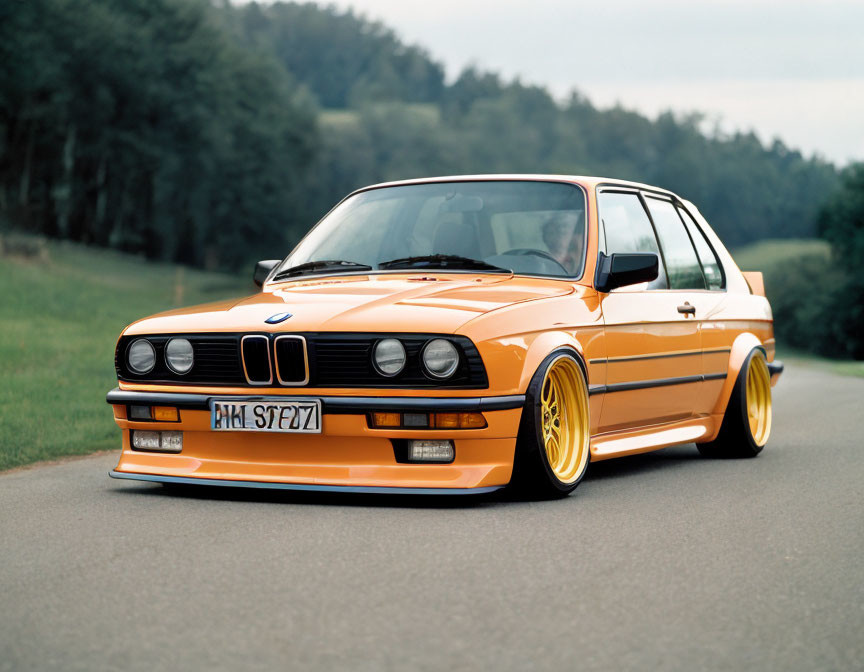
(256,359)
(290,360)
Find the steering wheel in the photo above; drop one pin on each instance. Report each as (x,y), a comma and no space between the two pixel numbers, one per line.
(525,252)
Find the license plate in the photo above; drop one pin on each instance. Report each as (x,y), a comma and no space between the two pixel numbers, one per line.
(301,416)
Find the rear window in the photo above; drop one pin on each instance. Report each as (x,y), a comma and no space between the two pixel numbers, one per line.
(710,263)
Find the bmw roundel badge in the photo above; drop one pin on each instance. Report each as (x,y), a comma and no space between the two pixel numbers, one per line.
(277,318)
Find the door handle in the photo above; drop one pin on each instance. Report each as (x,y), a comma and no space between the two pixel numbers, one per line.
(687,308)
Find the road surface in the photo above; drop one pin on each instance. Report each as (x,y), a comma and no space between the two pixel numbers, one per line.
(665,561)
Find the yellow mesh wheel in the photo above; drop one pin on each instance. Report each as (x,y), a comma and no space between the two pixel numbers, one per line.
(759,399)
(564,419)
(747,419)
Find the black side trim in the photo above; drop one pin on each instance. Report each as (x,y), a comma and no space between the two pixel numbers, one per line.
(332,405)
(639,358)
(647,384)
(775,367)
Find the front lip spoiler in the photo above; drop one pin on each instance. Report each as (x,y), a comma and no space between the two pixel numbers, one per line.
(357,489)
(331,405)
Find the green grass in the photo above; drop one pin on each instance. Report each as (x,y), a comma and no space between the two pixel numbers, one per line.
(767,254)
(59,322)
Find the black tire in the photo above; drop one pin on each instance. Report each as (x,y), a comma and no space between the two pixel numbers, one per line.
(533,477)
(735,439)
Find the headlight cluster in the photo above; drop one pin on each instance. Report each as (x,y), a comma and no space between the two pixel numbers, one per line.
(179,356)
(439,356)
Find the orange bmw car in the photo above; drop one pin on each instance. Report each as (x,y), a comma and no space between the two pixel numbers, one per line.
(458,335)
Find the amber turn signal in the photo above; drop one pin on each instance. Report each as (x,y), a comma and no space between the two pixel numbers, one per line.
(387,419)
(429,421)
(457,420)
(166,414)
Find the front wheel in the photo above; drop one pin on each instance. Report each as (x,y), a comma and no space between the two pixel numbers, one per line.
(552,449)
(747,421)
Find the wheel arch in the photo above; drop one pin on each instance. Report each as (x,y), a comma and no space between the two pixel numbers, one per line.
(743,345)
(532,470)
(545,345)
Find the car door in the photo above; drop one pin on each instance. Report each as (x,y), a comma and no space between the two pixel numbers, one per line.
(653,357)
(710,305)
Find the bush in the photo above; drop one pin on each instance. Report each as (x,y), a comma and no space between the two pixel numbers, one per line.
(808,293)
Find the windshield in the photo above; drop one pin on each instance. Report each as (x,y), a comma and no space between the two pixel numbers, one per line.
(531,228)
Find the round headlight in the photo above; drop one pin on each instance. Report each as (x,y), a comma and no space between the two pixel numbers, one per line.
(179,355)
(141,356)
(389,356)
(440,358)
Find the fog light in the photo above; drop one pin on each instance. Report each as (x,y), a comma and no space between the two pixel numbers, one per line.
(145,440)
(431,451)
(166,442)
(172,441)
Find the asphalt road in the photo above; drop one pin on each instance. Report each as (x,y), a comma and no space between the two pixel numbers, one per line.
(665,561)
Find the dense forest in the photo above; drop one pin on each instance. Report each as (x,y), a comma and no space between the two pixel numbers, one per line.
(210,134)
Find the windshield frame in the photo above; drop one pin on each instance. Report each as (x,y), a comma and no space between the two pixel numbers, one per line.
(401,271)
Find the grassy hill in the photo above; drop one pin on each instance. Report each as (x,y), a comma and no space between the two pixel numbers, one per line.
(62,309)
(770,255)
(789,267)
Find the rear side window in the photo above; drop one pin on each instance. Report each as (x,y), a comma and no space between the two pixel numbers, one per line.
(682,264)
(627,228)
(709,260)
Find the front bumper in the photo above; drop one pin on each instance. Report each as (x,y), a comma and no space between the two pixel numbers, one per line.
(347,456)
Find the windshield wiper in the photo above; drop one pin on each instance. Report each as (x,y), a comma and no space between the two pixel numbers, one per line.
(321,267)
(442,261)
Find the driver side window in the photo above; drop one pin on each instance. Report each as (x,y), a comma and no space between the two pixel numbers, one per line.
(626,228)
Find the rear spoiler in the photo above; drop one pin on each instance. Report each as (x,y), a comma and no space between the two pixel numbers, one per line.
(754,279)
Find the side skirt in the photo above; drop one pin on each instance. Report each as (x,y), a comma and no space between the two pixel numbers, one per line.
(647,439)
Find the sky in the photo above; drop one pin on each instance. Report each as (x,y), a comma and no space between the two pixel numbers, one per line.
(792,69)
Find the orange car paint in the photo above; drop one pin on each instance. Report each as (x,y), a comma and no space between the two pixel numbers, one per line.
(625,336)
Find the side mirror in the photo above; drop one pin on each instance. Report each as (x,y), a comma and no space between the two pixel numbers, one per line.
(262,270)
(620,270)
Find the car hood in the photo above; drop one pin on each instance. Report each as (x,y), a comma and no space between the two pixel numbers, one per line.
(436,303)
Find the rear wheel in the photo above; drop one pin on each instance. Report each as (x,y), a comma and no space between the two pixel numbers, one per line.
(747,421)
(552,449)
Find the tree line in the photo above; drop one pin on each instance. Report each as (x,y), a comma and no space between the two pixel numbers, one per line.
(211,134)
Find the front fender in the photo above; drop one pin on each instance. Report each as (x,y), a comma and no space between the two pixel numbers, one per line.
(511,361)
(542,346)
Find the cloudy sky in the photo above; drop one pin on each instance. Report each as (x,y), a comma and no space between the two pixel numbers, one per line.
(792,69)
